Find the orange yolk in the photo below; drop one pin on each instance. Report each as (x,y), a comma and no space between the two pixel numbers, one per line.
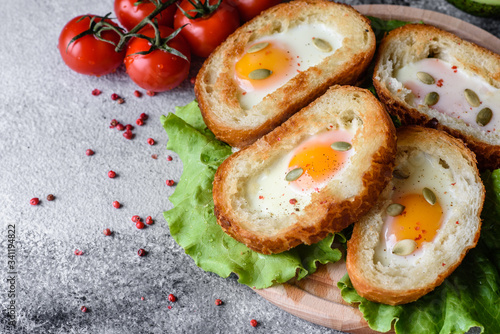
(273,57)
(318,160)
(419,220)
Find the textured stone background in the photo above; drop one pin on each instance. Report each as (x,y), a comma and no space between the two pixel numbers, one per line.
(48,118)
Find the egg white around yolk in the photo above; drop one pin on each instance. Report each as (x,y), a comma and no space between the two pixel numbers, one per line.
(269,194)
(287,54)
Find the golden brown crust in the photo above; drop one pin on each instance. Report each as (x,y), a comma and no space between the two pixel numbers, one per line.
(377,282)
(216,90)
(474,58)
(328,212)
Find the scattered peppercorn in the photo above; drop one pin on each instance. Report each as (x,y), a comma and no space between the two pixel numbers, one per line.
(111,174)
(113,123)
(107,232)
(154,156)
(120,101)
(141,252)
(151,141)
(137,93)
(140,225)
(34,201)
(293,201)
(128,135)
(50,197)
(169,158)
(172,298)
(254,323)
(218,302)
(78,252)
(139,122)
(116,204)
(120,127)
(144,116)
(129,127)
(96,92)
(114,97)
(150,93)
(136,218)
(170,183)
(149,220)
(89,152)
(83,309)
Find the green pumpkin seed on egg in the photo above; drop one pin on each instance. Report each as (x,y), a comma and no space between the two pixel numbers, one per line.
(395,209)
(431,99)
(257,47)
(404,247)
(341,146)
(294,174)
(322,45)
(429,196)
(425,78)
(260,74)
(472,98)
(484,116)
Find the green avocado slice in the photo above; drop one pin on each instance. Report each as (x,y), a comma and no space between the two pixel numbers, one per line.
(484,8)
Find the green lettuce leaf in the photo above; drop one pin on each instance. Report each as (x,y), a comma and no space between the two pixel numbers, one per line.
(192,222)
(469,298)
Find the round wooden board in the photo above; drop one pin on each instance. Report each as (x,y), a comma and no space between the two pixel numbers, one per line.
(317,298)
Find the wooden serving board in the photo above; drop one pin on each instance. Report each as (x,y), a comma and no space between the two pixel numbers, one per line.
(317,298)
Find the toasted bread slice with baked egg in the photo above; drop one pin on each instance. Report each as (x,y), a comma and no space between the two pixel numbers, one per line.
(430,77)
(423,223)
(315,174)
(279,62)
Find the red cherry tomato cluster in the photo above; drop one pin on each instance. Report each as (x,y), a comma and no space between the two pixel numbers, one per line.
(156,50)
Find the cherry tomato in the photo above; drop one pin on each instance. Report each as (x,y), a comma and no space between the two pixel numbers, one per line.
(88,55)
(248,9)
(129,14)
(204,34)
(159,70)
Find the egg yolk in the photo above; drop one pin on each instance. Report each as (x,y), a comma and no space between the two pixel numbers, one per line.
(419,221)
(274,59)
(318,160)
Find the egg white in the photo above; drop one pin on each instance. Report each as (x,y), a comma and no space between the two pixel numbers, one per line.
(425,171)
(298,41)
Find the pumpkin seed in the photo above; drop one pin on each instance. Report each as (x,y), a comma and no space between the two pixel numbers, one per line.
(404,247)
(429,196)
(426,78)
(294,174)
(257,47)
(341,146)
(322,45)
(260,74)
(399,174)
(431,99)
(395,209)
(484,116)
(472,98)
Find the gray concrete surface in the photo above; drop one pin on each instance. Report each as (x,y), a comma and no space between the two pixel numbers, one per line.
(48,118)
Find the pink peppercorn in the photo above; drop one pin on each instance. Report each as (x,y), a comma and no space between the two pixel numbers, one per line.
(120,127)
(111,174)
(89,152)
(140,225)
(253,323)
(218,302)
(293,201)
(150,93)
(128,135)
(149,220)
(137,93)
(96,92)
(113,123)
(144,116)
(120,101)
(83,309)
(170,183)
(116,204)
(34,201)
(151,141)
(107,232)
(136,218)
(139,122)
(114,97)
(141,252)
(129,127)
(78,252)
(154,156)
(172,298)
(169,158)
